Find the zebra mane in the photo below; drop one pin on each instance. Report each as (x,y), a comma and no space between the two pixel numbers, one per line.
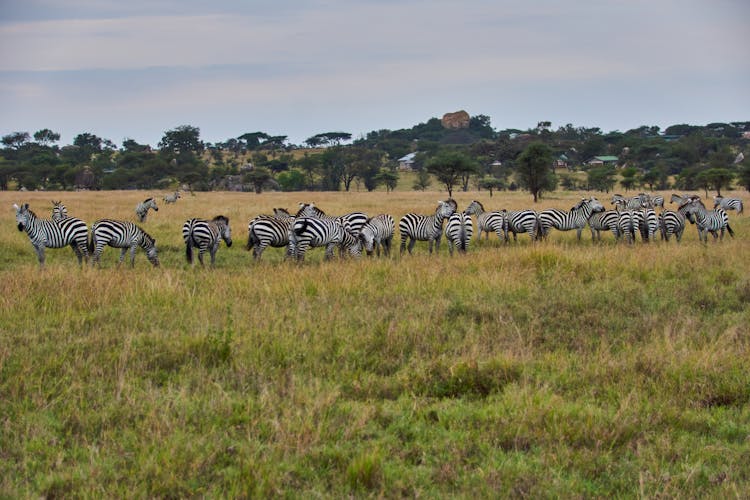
(282,211)
(451,201)
(479,203)
(147,200)
(303,207)
(221,218)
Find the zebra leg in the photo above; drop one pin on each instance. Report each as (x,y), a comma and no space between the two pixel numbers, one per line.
(123,251)
(329,251)
(258,250)
(98,249)
(412,242)
(39,249)
(387,246)
(132,255)
(403,244)
(212,252)
(78,252)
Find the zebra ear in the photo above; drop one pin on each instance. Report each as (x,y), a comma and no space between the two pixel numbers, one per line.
(16,206)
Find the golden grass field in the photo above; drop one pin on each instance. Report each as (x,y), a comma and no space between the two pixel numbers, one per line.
(554,369)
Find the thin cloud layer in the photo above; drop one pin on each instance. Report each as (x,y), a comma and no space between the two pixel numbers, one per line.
(136,71)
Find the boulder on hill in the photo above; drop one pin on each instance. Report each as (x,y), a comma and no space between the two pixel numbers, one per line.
(457,120)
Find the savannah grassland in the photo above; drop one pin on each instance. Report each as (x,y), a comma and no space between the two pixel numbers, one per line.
(557,369)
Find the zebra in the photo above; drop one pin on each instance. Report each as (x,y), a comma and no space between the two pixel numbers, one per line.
(141,210)
(352,221)
(313,232)
(487,221)
(627,224)
(576,218)
(46,233)
(205,235)
(648,223)
(377,232)
(124,235)
(265,231)
(458,231)
(729,204)
(680,199)
(671,223)
(522,221)
(622,203)
(707,221)
(604,221)
(417,227)
(172,198)
(59,211)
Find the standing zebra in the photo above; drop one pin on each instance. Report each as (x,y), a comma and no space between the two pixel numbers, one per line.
(648,223)
(576,218)
(352,221)
(628,224)
(487,221)
(604,221)
(124,235)
(312,232)
(522,221)
(671,223)
(172,198)
(205,235)
(729,204)
(59,211)
(706,221)
(45,233)
(425,227)
(458,232)
(265,231)
(377,232)
(141,210)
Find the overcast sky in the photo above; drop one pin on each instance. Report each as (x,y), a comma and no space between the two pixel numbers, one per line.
(298,68)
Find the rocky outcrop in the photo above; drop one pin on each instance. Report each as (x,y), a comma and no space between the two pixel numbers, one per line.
(457,120)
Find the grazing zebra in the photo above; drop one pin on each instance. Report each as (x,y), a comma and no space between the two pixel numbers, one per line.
(671,223)
(313,232)
(45,233)
(377,232)
(458,231)
(706,221)
(273,231)
(205,235)
(172,198)
(604,221)
(576,218)
(141,210)
(522,221)
(628,224)
(425,227)
(729,204)
(352,221)
(124,235)
(59,211)
(487,221)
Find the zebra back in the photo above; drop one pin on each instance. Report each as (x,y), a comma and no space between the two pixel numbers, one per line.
(458,232)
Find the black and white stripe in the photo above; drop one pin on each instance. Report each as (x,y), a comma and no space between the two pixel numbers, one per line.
(416,227)
(628,224)
(671,223)
(377,231)
(713,221)
(273,231)
(205,235)
(487,221)
(648,223)
(458,232)
(576,218)
(313,232)
(729,204)
(352,221)
(59,211)
(45,233)
(172,198)
(604,221)
(141,210)
(522,221)
(124,235)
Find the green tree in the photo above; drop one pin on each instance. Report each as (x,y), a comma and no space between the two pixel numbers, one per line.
(387,177)
(46,137)
(715,178)
(534,170)
(258,177)
(491,183)
(181,140)
(629,178)
(423,181)
(450,168)
(743,176)
(601,178)
(291,180)
(16,140)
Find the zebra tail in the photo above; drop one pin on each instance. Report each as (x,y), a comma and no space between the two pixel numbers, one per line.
(729,228)
(92,243)
(189,250)
(302,227)
(538,232)
(250,240)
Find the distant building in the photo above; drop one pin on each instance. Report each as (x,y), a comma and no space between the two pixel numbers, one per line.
(598,161)
(562,162)
(406,162)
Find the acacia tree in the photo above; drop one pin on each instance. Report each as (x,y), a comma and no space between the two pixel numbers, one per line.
(451,167)
(534,170)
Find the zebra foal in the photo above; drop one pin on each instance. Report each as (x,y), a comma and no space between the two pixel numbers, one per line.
(377,232)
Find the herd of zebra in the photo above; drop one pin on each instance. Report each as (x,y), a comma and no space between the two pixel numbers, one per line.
(355,232)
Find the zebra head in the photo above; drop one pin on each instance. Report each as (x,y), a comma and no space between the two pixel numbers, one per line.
(474,207)
(150,202)
(367,239)
(281,213)
(595,205)
(59,211)
(222,223)
(149,245)
(446,208)
(22,215)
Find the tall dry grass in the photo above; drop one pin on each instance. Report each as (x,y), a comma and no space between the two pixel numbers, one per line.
(553,369)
